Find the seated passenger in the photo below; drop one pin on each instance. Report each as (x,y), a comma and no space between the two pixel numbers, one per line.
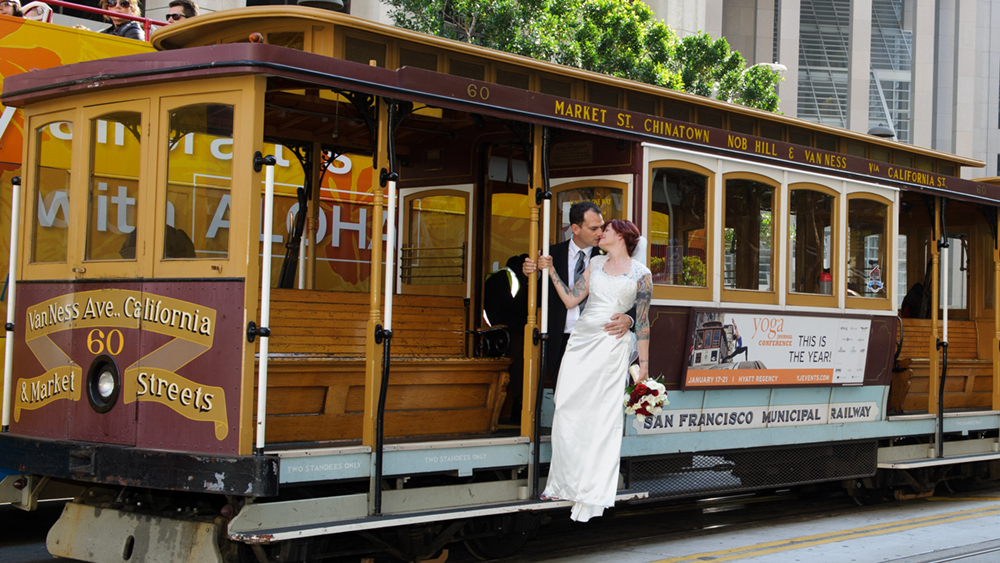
(122,27)
(11,8)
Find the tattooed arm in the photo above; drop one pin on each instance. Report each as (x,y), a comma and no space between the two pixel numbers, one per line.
(643,295)
(571,296)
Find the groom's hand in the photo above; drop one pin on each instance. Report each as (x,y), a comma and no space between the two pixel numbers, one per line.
(619,325)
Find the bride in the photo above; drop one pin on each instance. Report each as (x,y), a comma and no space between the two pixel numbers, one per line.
(587,427)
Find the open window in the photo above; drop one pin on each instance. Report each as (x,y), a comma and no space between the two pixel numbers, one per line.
(867,267)
(750,245)
(812,237)
(679,228)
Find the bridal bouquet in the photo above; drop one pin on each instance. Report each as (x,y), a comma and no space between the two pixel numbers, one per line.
(645,399)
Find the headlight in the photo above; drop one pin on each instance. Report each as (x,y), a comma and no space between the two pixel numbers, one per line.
(103,384)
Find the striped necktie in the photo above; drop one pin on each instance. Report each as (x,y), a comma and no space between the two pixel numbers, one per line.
(581,265)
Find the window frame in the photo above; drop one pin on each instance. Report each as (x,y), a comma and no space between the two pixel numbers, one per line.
(817,299)
(143,213)
(755,296)
(886,303)
(466,191)
(240,215)
(29,204)
(683,292)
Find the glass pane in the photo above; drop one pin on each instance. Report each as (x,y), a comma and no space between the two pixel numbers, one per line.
(810,241)
(866,247)
(435,251)
(957,266)
(749,231)
(54,154)
(114,186)
(678,246)
(508,228)
(199,178)
(610,200)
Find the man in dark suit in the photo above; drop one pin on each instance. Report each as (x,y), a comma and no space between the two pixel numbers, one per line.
(570,258)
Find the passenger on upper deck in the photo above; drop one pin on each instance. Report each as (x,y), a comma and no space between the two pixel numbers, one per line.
(120,26)
(181,10)
(11,8)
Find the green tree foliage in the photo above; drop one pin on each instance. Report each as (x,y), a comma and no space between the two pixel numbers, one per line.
(620,38)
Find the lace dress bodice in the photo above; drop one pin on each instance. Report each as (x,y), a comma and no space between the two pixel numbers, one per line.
(616,293)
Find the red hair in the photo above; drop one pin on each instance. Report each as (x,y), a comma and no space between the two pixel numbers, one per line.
(628,231)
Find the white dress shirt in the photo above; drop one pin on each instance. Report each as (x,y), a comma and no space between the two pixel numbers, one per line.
(573,314)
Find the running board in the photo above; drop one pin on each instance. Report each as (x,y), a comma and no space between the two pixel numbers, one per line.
(392,520)
(931,462)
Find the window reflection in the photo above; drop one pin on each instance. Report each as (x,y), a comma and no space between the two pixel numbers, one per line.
(610,200)
(866,247)
(114,186)
(678,246)
(810,237)
(436,250)
(52,178)
(749,232)
(199,179)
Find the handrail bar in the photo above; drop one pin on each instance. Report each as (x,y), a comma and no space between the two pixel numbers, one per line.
(147,23)
(8,353)
(265,301)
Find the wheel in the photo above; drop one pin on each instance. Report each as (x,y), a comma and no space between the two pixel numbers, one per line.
(867,495)
(499,537)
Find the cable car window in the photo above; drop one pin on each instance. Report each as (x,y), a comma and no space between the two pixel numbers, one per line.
(610,200)
(54,155)
(199,179)
(867,225)
(810,236)
(678,243)
(749,231)
(435,252)
(114,186)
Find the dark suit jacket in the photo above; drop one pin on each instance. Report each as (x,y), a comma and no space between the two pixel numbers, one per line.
(557,311)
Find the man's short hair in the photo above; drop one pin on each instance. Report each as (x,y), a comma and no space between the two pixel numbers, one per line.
(579,209)
(189,7)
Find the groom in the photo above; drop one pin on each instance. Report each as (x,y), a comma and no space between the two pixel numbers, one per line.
(570,258)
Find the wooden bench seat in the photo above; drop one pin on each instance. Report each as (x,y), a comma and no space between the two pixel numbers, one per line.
(969,383)
(316,371)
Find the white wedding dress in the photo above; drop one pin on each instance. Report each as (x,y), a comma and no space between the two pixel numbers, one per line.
(589,397)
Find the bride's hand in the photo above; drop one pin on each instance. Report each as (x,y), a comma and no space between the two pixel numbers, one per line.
(544,262)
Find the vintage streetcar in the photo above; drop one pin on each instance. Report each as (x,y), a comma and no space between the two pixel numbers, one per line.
(246,314)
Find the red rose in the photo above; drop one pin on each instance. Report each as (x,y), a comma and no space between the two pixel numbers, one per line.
(641,389)
(643,411)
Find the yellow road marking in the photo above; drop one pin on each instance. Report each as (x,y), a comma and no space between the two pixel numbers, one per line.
(841,535)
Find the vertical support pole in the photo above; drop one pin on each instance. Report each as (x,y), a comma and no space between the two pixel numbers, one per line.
(8,352)
(996,317)
(532,366)
(932,350)
(265,303)
(312,223)
(373,355)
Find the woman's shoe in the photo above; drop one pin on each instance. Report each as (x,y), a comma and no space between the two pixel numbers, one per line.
(545,496)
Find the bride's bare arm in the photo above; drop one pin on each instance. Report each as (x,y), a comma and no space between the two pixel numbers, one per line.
(643,295)
(571,297)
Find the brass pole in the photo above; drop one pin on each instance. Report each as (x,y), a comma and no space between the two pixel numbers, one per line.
(312,221)
(531,357)
(373,351)
(934,380)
